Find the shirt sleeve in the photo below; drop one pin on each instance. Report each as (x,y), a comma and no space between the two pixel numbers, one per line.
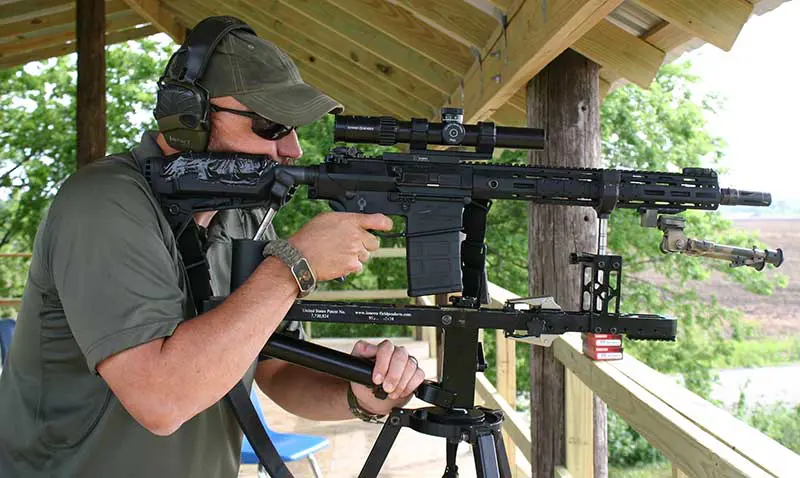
(116,278)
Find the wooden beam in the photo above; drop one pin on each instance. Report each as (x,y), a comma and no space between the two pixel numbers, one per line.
(404,27)
(612,47)
(506,372)
(115,22)
(53,23)
(90,107)
(759,448)
(394,53)
(538,33)
(579,409)
(564,100)
(362,91)
(471,24)
(716,21)
(28,9)
(681,441)
(156,15)
(667,36)
(67,48)
(331,64)
(10,302)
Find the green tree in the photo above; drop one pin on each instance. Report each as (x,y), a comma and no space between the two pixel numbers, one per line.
(37,139)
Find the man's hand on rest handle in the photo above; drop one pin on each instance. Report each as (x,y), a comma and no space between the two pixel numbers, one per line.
(395,370)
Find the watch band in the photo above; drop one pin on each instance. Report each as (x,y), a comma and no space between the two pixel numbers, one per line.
(357,411)
(298,265)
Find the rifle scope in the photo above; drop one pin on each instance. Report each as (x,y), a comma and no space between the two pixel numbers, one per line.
(386,131)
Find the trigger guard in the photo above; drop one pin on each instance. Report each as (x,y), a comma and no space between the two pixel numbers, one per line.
(337,206)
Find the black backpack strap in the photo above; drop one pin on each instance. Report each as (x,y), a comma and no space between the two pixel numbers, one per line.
(248,419)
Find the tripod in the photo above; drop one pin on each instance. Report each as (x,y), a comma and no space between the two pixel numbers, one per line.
(478,426)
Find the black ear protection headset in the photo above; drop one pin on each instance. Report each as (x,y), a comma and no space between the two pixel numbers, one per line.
(182,107)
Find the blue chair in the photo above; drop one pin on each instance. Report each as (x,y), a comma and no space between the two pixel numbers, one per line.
(6,331)
(290,446)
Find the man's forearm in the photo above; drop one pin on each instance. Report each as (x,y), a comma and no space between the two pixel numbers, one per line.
(165,383)
(304,392)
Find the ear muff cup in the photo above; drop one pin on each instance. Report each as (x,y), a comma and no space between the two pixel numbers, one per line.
(182,104)
(182,115)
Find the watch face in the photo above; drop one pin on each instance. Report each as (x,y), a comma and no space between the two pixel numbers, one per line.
(305,278)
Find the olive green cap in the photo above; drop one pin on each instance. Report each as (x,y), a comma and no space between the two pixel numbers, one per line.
(262,77)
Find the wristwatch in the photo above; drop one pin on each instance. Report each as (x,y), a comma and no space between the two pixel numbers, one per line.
(357,411)
(298,265)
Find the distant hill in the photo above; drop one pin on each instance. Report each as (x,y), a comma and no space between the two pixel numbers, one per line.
(779,208)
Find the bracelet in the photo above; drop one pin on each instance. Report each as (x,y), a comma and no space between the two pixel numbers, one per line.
(357,411)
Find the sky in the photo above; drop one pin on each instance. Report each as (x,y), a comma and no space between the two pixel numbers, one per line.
(760,122)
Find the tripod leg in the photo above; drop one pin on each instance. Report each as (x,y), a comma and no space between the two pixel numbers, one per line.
(451,471)
(502,455)
(380,450)
(485,454)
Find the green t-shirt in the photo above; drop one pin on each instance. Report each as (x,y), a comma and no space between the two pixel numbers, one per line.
(106,276)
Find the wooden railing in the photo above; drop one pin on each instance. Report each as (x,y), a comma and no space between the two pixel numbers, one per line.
(700,439)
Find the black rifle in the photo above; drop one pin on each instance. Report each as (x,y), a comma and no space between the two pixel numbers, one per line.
(442,194)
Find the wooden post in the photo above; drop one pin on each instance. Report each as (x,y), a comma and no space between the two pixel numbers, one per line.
(564,99)
(91,104)
(507,386)
(579,408)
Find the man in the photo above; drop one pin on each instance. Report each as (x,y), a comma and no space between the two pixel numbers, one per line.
(107,377)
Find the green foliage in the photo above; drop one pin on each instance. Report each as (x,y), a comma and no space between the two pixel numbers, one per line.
(37,140)
(664,128)
(779,421)
(626,447)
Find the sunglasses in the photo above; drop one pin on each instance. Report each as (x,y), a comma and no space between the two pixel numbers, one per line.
(263,127)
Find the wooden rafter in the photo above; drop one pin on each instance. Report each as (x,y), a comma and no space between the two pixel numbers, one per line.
(405,28)
(119,21)
(716,21)
(612,47)
(394,53)
(539,31)
(155,14)
(373,67)
(667,36)
(352,99)
(468,23)
(66,48)
(329,66)
(52,23)
(27,9)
